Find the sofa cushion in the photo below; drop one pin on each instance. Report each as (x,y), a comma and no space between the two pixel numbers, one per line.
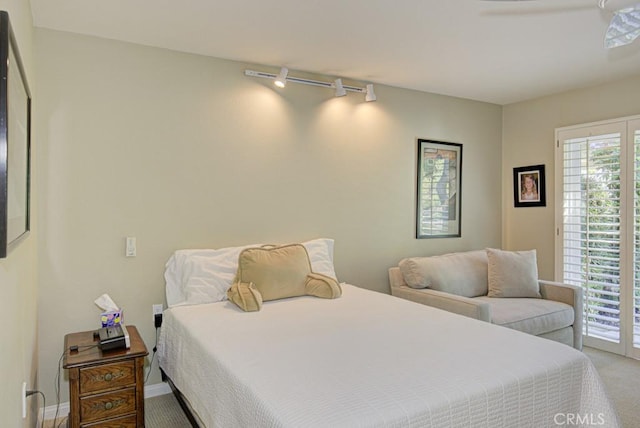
(464,273)
(533,316)
(512,273)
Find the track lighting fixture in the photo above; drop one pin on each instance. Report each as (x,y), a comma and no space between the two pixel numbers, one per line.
(281,79)
(341,89)
(371,96)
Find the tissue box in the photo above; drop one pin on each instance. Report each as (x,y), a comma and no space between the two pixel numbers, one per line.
(111,318)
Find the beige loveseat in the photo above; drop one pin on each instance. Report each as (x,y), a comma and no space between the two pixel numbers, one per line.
(496,286)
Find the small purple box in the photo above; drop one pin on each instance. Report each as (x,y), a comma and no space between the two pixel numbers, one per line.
(109,319)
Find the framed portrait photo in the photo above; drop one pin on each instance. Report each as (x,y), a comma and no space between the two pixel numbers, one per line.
(529,186)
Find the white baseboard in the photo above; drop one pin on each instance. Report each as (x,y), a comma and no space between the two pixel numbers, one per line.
(154,390)
(50,411)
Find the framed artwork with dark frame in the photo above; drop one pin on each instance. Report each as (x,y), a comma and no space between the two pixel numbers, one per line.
(439,183)
(529,186)
(15,142)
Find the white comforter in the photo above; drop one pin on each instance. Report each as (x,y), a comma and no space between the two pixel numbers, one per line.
(372,360)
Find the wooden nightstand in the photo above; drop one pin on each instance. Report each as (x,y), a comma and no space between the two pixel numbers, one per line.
(106,389)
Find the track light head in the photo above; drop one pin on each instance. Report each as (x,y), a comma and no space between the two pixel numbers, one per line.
(281,79)
(340,90)
(371,96)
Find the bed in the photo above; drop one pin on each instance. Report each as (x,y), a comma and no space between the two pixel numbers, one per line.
(368,359)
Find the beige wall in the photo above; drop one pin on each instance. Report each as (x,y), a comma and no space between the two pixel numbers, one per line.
(18,277)
(528,139)
(184,151)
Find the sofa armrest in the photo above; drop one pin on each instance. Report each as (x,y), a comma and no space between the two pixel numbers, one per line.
(449,302)
(572,296)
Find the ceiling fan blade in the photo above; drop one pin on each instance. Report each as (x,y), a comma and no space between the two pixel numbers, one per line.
(624,27)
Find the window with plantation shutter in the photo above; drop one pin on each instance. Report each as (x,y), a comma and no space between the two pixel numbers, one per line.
(598,218)
(592,228)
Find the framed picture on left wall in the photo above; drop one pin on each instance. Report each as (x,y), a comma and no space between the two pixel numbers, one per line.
(529,186)
(15,142)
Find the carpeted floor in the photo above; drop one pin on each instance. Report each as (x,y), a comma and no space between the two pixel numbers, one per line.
(620,375)
(164,411)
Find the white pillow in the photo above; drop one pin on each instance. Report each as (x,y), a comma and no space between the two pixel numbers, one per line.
(204,276)
(512,273)
(321,256)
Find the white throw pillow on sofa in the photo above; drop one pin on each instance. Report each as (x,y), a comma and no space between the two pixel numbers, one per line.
(512,273)
(463,273)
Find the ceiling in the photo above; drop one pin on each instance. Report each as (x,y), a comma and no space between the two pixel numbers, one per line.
(498,52)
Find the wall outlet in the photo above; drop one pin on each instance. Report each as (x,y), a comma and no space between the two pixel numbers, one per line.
(24,400)
(157,308)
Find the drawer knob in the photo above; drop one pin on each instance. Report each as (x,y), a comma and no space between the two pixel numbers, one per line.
(108,377)
(108,405)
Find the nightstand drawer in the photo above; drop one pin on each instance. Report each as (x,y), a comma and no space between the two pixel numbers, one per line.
(111,404)
(125,422)
(107,376)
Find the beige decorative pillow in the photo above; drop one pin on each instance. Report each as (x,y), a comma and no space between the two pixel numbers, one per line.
(320,285)
(512,273)
(463,273)
(245,296)
(277,273)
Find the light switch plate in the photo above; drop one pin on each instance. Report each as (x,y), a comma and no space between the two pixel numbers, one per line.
(130,250)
